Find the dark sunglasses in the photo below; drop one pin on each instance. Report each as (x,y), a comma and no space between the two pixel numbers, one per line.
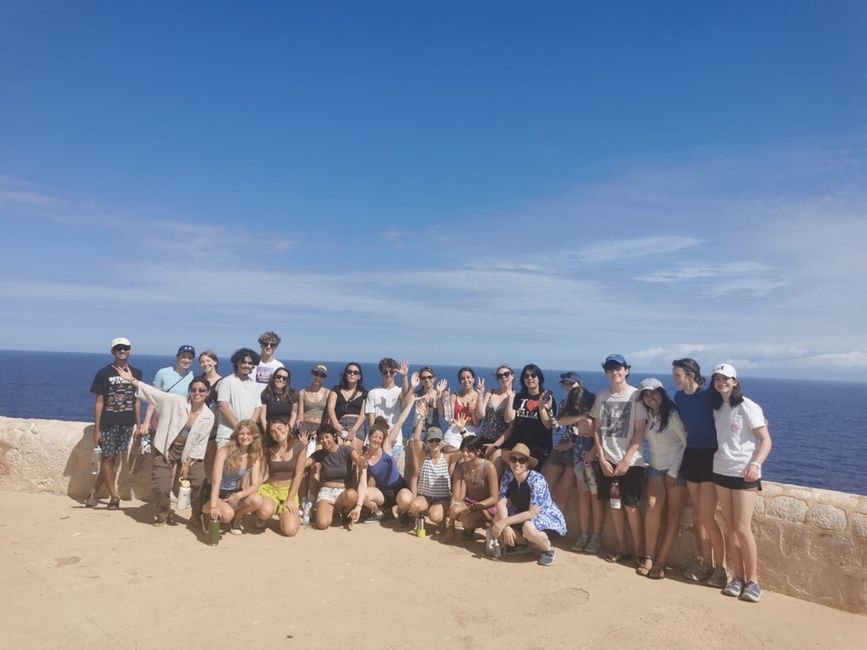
(426,376)
(530,375)
(269,345)
(198,390)
(321,375)
(519,459)
(281,378)
(388,372)
(353,372)
(121,348)
(503,375)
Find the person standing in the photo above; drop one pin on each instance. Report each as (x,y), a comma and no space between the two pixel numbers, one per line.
(267,362)
(174,379)
(116,416)
(385,399)
(239,397)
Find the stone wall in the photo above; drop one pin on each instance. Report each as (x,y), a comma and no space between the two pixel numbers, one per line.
(812,543)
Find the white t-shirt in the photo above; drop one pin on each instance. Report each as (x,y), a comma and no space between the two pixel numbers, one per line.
(666,446)
(262,373)
(735,436)
(385,402)
(242,396)
(617,415)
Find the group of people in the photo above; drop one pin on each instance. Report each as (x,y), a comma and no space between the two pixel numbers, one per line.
(253,448)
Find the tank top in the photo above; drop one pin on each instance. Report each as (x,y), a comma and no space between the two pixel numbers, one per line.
(231,481)
(385,472)
(464,409)
(494,424)
(433,480)
(351,406)
(281,470)
(314,409)
(477,488)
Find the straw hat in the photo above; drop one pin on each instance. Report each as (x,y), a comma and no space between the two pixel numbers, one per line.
(521,450)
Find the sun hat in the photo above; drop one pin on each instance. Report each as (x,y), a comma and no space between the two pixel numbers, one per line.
(120,341)
(521,450)
(726,370)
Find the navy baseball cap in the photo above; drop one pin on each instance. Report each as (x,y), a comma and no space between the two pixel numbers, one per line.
(572,377)
(613,361)
(186,348)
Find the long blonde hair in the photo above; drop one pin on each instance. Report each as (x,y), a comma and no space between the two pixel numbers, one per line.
(234,452)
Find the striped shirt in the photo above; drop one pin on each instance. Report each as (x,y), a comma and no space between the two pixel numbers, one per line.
(433,480)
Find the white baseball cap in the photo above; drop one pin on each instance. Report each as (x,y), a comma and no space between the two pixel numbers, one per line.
(726,370)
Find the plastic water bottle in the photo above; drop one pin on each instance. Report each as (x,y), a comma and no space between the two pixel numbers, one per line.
(306,507)
(214,531)
(419,527)
(184,495)
(95,457)
(615,495)
(146,444)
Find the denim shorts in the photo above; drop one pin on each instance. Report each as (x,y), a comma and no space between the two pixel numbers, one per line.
(662,473)
(586,473)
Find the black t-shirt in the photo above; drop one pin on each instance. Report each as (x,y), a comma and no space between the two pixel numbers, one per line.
(273,409)
(118,406)
(528,427)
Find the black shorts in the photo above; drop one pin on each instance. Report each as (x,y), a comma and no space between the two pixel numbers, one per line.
(390,494)
(697,465)
(737,482)
(631,485)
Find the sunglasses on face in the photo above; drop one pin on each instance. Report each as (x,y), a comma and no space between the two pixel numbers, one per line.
(530,375)
(504,375)
(519,460)
(269,345)
(388,372)
(353,372)
(198,390)
(281,378)
(121,348)
(434,442)
(427,376)
(321,375)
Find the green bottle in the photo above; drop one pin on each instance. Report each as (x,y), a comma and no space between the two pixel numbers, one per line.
(214,532)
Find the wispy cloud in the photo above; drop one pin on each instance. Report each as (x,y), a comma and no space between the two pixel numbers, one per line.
(632,248)
(17,193)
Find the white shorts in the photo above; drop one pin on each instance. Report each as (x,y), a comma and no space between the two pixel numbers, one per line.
(329,494)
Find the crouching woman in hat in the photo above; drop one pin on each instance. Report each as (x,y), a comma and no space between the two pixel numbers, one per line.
(526,513)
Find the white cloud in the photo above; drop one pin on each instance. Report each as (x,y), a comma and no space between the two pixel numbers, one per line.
(630,249)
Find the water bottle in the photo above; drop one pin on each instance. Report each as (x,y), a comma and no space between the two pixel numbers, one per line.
(184,495)
(214,531)
(447,405)
(615,495)
(419,527)
(146,444)
(95,457)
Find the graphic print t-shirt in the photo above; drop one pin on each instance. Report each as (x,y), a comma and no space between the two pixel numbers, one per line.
(616,415)
(528,426)
(118,406)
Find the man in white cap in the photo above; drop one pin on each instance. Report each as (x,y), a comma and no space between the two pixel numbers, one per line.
(116,415)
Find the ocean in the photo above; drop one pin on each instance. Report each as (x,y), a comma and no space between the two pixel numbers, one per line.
(819,428)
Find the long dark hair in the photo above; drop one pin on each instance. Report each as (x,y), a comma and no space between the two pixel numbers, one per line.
(666,406)
(273,394)
(690,367)
(579,401)
(716,400)
(345,384)
(532,367)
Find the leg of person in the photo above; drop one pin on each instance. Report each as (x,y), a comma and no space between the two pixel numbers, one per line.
(210,452)
(403,500)
(345,503)
(161,480)
(703,566)
(267,507)
(621,552)
(324,513)
(418,506)
(290,523)
(470,520)
(374,499)
(437,513)
(250,504)
(735,586)
(708,503)
(744,502)
(226,512)
(106,470)
(655,503)
(197,480)
(675,496)
(540,540)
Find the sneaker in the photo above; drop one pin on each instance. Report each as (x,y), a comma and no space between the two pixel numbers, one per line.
(698,572)
(547,558)
(114,504)
(405,520)
(375,518)
(161,518)
(719,578)
(594,546)
(579,545)
(237,528)
(752,592)
(733,588)
(91,501)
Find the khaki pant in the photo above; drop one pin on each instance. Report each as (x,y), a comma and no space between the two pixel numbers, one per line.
(163,479)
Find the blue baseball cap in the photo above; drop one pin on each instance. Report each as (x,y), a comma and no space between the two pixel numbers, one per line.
(185,349)
(572,377)
(614,360)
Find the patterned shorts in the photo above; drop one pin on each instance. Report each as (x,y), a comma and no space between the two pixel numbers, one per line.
(115,439)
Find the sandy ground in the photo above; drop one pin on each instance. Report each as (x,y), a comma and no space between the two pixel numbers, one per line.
(73,577)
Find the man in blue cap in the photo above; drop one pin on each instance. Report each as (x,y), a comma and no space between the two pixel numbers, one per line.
(172,379)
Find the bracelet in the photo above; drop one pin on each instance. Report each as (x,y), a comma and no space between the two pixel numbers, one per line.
(752,462)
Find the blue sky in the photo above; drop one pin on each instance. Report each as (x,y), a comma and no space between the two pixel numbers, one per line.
(446,182)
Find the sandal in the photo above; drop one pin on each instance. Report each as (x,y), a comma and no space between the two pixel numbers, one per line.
(657,572)
(641,569)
